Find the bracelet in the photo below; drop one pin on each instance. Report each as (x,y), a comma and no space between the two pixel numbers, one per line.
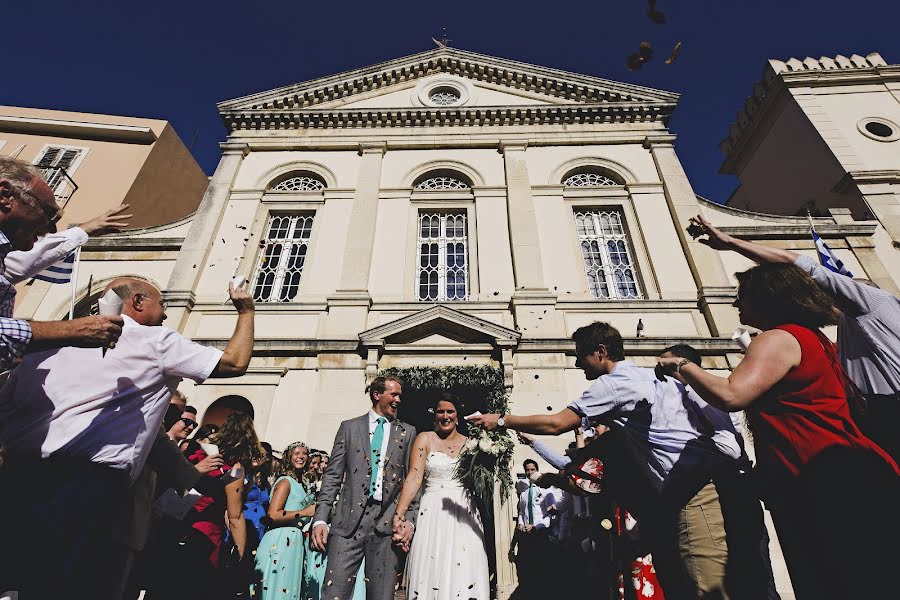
(681,363)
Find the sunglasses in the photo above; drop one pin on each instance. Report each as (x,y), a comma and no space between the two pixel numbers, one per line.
(53,214)
(188,423)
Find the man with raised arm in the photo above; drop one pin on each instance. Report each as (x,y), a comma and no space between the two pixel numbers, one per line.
(28,212)
(79,424)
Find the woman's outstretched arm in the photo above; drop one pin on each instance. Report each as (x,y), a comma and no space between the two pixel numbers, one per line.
(414,476)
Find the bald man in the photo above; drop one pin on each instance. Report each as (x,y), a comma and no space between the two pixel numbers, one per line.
(78,426)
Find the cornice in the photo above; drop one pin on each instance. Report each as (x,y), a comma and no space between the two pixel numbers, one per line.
(458,116)
(453,61)
(792,232)
(129,244)
(779,77)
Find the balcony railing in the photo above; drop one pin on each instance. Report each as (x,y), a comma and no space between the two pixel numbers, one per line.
(63,186)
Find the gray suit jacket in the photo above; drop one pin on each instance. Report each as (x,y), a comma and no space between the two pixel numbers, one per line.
(345,485)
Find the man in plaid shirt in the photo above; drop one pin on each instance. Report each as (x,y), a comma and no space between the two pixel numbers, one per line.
(28,211)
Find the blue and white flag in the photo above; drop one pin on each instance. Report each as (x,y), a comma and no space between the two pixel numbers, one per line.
(61,272)
(827,257)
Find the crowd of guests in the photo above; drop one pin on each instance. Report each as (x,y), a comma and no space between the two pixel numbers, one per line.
(111,487)
(822,420)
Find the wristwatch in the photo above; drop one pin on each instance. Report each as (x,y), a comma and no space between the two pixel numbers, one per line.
(501,422)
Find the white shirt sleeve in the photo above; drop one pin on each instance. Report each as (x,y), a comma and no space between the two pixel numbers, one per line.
(597,400)
(852,296)
(180,357)
(47,251)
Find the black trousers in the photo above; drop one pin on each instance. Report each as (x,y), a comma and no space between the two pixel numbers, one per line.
(880,420)
(54,526)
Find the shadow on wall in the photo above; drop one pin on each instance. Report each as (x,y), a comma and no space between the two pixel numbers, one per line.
(219,410)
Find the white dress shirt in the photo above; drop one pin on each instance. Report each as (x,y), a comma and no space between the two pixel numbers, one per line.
(373,422)
(541,516)
(561,517)
(75,402)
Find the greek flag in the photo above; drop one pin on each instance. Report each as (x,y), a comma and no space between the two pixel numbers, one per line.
(827,257)
(61,272)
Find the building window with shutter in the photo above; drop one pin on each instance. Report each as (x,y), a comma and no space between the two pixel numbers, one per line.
(282,255)
(443,257)
(57,163)
(608,262)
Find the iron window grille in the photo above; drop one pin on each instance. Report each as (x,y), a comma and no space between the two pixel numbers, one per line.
(442,182)
(443,272)
(281,259)
(589,180)
(607,259)
(300,183)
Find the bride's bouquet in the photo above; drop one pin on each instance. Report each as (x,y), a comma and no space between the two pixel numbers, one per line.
(484,462)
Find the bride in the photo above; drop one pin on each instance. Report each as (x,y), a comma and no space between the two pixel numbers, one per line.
(447,558)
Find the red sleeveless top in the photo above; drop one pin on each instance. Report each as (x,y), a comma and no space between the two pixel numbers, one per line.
(806,412)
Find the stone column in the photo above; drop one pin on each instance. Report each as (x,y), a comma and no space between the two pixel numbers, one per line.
(715,291)
(533,305)
(866,253)
(348,307)
(198,241)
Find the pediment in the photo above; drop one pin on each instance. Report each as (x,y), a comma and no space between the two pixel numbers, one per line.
(440,325)
(498,84)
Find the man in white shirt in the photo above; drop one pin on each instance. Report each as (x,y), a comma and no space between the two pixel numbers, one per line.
(78,426)
(528,549)
(28,212)
(652,417)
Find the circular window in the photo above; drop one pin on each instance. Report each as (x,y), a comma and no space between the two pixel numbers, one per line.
(880,130)
(444,96)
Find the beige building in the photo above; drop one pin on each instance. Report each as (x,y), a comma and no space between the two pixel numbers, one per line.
(109,160)
(454,209)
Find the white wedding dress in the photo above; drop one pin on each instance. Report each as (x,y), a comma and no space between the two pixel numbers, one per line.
(447,560)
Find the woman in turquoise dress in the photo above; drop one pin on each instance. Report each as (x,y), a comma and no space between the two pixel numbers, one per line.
(316,562)
(280,557)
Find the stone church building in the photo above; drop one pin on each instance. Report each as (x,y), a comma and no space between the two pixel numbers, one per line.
(455,209)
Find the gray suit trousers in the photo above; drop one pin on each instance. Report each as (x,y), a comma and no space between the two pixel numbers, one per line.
(345,554)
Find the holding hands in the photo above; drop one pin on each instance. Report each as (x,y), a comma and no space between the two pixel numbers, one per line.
(403,532)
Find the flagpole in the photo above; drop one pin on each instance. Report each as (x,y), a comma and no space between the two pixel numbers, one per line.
(75,282)
(809,218)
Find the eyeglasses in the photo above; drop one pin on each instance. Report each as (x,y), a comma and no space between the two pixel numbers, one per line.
(53,214)
(188,423)
(161,302)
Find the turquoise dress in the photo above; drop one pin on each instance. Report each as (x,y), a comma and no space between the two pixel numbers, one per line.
(280,556)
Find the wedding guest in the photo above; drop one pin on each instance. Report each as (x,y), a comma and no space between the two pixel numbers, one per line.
(868,338)
(280,558)
(180,400)
(78,442)
(202,436)
(28,212)
(200,549)
(323,464)
(670,449)
(744,523)
(813,461)
(529,544)
(312,468)
(129,566)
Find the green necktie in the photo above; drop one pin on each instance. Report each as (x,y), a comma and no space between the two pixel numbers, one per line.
(377,438)
(531,504)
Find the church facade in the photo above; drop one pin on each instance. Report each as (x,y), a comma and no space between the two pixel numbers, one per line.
(448,209)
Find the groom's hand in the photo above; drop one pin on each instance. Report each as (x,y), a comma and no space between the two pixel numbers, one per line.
(320,537)
(489,422)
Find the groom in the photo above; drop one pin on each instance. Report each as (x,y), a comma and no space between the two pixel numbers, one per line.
(364,477)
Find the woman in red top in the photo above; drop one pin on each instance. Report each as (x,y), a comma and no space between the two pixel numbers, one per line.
(201,547)
(834,494)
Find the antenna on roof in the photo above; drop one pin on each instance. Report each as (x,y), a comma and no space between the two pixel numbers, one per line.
(444,42)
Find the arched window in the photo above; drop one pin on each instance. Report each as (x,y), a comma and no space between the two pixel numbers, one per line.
(442,180)
(219,410)
(299,182)
(590,178)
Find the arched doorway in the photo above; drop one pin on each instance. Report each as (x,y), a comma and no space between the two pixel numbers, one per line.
(219,410)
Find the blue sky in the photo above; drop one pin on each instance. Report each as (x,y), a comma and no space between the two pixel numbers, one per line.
(175,60)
